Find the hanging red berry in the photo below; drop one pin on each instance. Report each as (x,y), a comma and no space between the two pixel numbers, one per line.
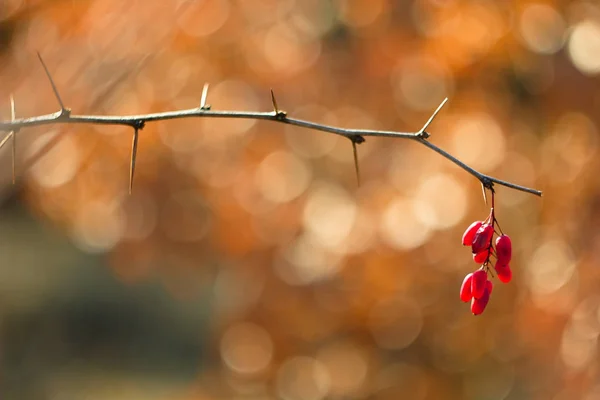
(482,256)
(478,283)
(465,289)
(479,235)
(503,249)
(489,286)
(503,272)
(479,304)
(469,235)
(483,238)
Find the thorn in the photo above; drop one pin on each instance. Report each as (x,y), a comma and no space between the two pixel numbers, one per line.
(14,140)
(63,110)
(203,105)
(275,108)
(422,132)
(484,194)
(354,150)
(6,138)
(133,156)
(280,114)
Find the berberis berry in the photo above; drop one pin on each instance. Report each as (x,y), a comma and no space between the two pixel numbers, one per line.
(465,289)
(476,286)
(469,234)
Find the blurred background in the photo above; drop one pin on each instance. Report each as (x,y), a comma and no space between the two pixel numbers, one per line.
(247,264)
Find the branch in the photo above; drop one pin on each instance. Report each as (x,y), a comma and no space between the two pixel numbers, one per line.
(137,122)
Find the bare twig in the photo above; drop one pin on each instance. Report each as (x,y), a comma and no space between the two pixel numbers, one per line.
(277,115)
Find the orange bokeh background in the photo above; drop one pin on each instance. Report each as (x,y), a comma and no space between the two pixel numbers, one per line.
(247,264)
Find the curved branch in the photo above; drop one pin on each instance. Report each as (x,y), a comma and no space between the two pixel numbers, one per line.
(275,116)
(137,122)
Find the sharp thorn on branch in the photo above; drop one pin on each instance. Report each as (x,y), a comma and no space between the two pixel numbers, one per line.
(134,145)
(64,111)
(484,194)
(203,105)
(6,138)
(422,132)
(279,114)
(356,140)
(137,122)
(275,108)
(13,116)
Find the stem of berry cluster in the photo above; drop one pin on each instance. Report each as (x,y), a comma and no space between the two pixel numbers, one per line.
(137,122)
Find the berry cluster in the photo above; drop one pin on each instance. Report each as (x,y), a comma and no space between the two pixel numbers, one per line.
(476,286)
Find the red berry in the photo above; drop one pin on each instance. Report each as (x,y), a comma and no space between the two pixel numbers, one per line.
(479,304)
(478,283)
(503,271)
(481,256)
(489,286)
(482,238)
(503,249)
(465,289)
(469,235)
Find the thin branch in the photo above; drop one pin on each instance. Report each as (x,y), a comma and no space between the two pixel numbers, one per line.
(133,120)
(277,115)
